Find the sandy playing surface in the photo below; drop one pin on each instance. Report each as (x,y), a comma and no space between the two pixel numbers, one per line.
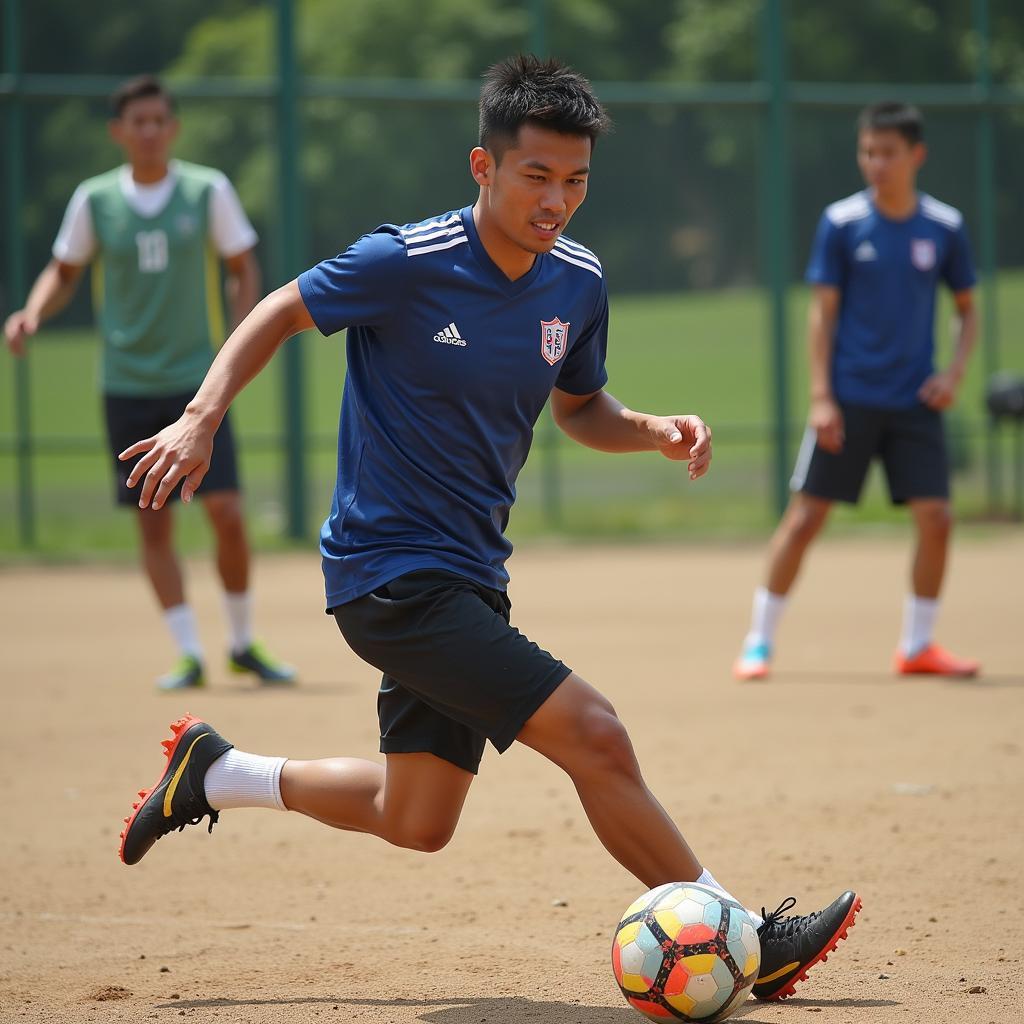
(833,775)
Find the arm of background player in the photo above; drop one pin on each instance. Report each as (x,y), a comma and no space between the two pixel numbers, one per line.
(182,450)
(50,294)
(939,390)
(602,422)
(242,285)
(825,416)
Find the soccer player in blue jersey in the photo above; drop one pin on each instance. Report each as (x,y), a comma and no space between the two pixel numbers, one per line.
(878,259)
(460,328)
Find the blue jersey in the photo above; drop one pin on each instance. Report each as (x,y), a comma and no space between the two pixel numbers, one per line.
(449,366)
(888,272)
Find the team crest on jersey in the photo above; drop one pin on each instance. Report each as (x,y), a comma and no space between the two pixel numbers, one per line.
(554,339)
(922,253)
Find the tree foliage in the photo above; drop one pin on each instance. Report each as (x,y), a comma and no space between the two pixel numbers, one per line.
(674,194)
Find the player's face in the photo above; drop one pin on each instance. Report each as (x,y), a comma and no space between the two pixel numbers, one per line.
(533,192)
(887,161)
(146,131)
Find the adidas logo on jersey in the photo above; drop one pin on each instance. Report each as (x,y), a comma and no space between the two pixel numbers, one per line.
(450,336)
(865,252)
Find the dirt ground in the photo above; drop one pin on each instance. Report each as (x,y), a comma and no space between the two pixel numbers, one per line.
(833,775)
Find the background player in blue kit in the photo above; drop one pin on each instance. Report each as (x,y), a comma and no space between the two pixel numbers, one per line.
(461,327)
(877,261)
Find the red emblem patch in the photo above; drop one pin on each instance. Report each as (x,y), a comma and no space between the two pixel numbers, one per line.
(554,339)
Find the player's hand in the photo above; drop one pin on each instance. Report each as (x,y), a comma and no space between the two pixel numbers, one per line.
(180,451)
(826,420)
(939,390)
(684,438)
(17,328)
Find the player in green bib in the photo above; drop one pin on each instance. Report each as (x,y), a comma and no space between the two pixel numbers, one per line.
(155,231)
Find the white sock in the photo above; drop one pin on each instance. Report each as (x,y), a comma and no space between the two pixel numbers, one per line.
(919,615)
(238,608)
(181,623)
(706,878)
(237,779)
(764,617)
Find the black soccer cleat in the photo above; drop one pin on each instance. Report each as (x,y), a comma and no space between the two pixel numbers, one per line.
(791,946)
(178,798)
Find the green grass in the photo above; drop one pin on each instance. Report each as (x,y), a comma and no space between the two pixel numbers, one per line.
(706,353)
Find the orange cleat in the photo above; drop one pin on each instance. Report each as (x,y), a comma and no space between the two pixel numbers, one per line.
(934,660)
(178,798)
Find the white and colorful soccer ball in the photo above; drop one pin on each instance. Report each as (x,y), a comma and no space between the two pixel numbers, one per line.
(685,952)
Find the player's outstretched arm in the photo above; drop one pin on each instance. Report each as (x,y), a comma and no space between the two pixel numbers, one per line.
(602,422)
(51,292)
(182,450)
(825,417)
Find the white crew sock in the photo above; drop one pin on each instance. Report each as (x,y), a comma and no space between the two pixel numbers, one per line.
(181,623)
(706,878)
(919,615)
(238,608)
(237,779)
(764,617)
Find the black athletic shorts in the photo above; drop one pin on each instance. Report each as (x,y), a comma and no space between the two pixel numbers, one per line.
(910,442)
(134,419)
(456,674)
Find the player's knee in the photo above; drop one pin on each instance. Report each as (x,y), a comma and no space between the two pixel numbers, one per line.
(804,523)
(603,743)
(422,836)
(227,519)
(935,522)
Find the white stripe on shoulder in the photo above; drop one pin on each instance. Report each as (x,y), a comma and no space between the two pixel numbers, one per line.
(455,229)
(950,216)
(845,211)
(431,225)
(580,250)
(451,243)
(562,254)
(576,254)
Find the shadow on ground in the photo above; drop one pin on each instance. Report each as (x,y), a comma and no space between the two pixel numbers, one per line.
(514,1010)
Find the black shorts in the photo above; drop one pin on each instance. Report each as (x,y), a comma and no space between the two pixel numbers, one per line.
(456,674)
(134,419)
(910,442)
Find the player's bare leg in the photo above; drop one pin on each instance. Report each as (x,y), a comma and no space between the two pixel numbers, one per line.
(934,526)
(224,510)
(159,559)
(578,730)
(800,524)
(917,654)
(413,802)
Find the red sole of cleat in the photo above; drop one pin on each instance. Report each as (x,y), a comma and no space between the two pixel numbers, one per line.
(170,746)
(841,932)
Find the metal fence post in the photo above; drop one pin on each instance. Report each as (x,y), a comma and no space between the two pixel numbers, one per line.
(290,255)
(14,151)
(776,232)
(985,154)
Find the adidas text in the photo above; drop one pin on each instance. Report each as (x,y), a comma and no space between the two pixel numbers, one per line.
(450,336)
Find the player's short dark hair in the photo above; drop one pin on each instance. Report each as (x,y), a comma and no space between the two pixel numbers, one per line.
(893,117)
(138,88)
(530,90)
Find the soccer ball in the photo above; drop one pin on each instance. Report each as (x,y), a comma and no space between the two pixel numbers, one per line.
(686,952)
